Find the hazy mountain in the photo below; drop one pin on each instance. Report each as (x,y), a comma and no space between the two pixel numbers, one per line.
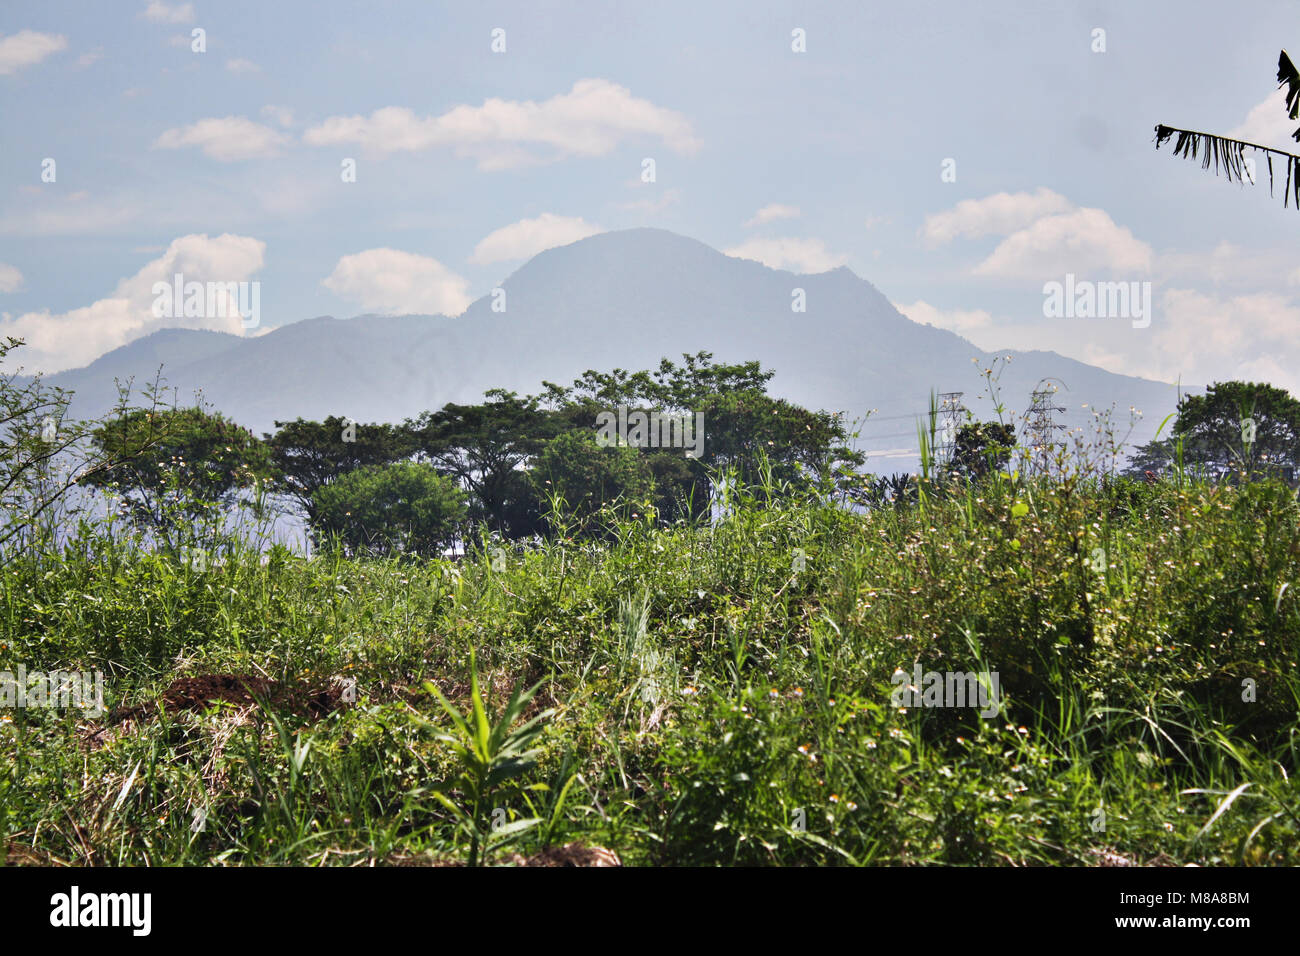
(621,299)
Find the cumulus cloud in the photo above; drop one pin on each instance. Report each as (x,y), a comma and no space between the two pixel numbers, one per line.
(1082,241)
(1268,125)
(1205,336)
(773,212)
(527,237)
(227,139)
(11,279)
(797,255)
(72,339)
(590,120)
(1200,338)
(242,66)
(398,283)
(160,12)
(27,47)
(998,215)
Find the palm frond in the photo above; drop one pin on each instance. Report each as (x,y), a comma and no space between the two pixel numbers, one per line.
(1288,75)
(1231,153)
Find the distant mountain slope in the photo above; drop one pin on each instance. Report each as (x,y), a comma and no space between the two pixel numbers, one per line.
(622,299)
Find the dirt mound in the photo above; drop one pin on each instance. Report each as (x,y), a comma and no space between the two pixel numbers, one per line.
(571,854)
(199,692)
(574,854)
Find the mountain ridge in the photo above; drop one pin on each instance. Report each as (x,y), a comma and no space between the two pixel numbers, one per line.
(623,299)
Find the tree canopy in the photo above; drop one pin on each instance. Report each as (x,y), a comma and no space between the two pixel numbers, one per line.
(1244,427)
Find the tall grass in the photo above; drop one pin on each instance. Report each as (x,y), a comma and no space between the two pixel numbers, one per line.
(715,701)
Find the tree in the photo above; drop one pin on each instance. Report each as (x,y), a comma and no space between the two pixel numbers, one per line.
(400,508)
(588,479)
(1231,153)
(179,470)
(745,429)
(486,447)
(310,455)
(748,430)
(981,448)
(1246,427)
(43,454)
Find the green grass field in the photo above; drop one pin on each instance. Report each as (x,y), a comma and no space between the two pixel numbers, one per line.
(710,695)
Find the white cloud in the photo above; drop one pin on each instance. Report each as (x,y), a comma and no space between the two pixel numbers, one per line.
(227,139)
(93,56)
(527,237)
(797,255)
(590,120)
(1206,336)
(162,13)
(11,279)
(1268,125)
(960,321)
(998,215)
(396,282)
(1230,265)
(71,339)
(1082,241)
(242,66)
(26,48)
(279,114)
(1201,338)
(773,212)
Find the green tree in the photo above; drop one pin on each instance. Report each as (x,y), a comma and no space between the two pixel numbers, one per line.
(1244,427)
(309,455)
(486,447)
(745,429)
(588,479)
(43,454)
(981,448)
(180,470)
(400,508)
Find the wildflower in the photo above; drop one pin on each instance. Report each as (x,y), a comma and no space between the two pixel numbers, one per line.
(835,798)
(798,692)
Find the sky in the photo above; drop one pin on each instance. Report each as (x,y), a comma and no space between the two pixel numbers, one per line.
(959,156)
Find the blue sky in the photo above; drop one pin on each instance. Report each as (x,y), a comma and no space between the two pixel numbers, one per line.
(227,163)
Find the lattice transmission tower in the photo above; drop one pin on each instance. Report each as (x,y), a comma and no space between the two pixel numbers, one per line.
(951,411)
(1040,427)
